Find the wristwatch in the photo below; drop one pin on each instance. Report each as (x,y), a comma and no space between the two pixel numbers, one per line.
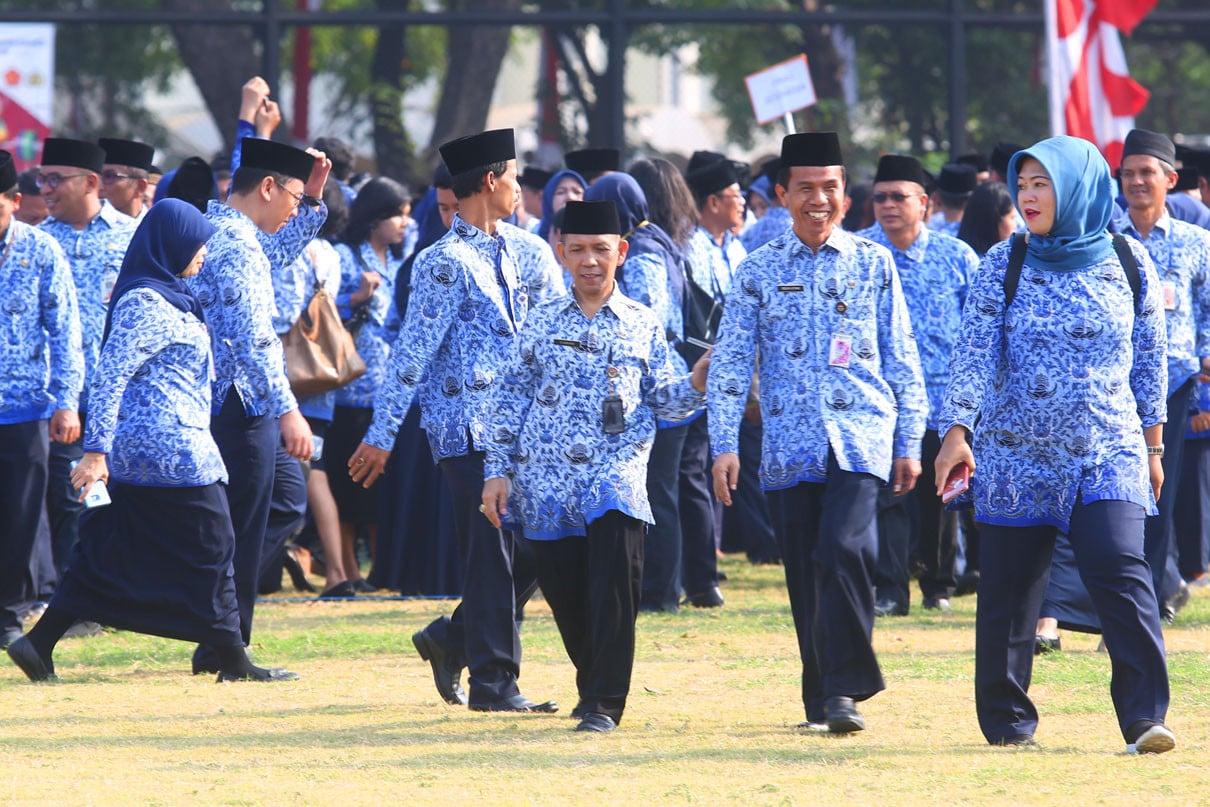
(311,201)
(1155,451)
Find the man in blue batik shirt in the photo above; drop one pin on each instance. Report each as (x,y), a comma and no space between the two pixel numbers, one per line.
(843,402)
(935,271)
(41,375)
(94,237)
(574,419)
(253,407)
(467,304)
(1181,253)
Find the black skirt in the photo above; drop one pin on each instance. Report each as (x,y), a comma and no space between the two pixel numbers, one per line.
(158,561)
(356,504)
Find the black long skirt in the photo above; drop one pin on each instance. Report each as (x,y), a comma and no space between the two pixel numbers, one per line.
(158,560)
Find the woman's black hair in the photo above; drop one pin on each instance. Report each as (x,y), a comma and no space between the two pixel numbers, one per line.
(338,210)
(379,199)
(989,203)
(669,200)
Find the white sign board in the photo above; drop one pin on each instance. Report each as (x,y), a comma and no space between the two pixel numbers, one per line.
(27,82)
(781,89)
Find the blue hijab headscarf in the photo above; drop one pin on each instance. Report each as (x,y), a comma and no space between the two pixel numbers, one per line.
(548,199)
(1084,206)
(643,236)
(163,245)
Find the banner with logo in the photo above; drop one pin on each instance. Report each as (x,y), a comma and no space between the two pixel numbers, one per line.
(27,82)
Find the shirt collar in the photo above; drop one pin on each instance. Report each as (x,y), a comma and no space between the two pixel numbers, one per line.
(473,235)
(1163,225)
(622,306)
(838,241)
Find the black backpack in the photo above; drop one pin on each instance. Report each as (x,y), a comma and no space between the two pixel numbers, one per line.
(1016,260)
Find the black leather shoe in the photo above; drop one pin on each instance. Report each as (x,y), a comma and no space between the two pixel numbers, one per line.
(205,660)
(445,676)
(595,721)
(340,591)
(259,674)
(363,586)
(1017,741)
(297,576)
(968,583)
(578,712)
(889,607)
(843,717)
(24,655)
(516,703)
(713,598)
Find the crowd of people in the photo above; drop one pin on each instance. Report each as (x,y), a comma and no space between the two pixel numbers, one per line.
(593,379)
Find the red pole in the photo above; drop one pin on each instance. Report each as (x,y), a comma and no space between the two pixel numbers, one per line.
(302,76)
(548,126)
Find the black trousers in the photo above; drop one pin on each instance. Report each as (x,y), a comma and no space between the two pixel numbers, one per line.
(699,553)
(592,585)
(1160,541)
(287,514)
(1192,516)
(23,473)
(829,542)
(63,509)
(499,580)
(249,449)
(662,546)
(938,543)
(747,525)
(892,572)
(1107,537)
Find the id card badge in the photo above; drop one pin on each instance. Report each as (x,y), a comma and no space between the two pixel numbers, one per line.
(839,350)
(110,280)
(1170,301)
(613,417)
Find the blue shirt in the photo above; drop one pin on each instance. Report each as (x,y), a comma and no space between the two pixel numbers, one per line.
(775,222)
(1058,391)
(713,267)
(375,335)
(95,254)
(467,302)
(785,312)
(1200,403)
(546,431)
(935,272)
(1181,254)
(235,288)
(41,364)
(540,272)
(151,397)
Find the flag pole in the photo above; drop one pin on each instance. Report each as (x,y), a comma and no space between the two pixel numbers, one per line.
(1053,61)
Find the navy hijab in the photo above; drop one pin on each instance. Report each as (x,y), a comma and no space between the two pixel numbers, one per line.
(548,199)
(163,245)
(1084,206)
(643,236)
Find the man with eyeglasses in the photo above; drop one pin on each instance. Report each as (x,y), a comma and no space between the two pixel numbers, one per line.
(41,375)
(935,270)
(94,237)
(124,176)
(253,407)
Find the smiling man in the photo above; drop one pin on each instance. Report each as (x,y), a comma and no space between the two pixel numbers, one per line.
(822,314)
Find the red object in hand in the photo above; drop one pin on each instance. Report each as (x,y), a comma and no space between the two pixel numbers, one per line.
(958,481)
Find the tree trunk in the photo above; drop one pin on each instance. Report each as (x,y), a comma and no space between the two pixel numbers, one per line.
(220,59)
(475,55)
(391,146)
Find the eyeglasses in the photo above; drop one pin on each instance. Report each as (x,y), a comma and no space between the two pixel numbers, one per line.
(109,176)
(52,181)
(730,197)
(896,197)
(298,197)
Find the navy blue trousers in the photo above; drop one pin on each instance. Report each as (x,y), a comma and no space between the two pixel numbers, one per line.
(1192,512)
(1160,541)
(892,572)
(62,507)
(23,475)
(499,580)
(592,586)
(662,546)
(829,542)
(249,449)
(1107,538)
(699,536)
(747,525)
(287,513)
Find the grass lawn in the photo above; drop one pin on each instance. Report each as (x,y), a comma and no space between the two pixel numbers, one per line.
(711,719)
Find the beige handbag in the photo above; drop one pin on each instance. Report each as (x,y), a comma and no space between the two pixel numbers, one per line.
(320,355)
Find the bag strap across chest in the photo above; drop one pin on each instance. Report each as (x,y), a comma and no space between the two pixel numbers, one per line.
(1016,260)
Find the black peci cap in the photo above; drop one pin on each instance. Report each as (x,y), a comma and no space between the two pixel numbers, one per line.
(1002,152)
(713,177)
(811,148)
(592,161)
(127,152)
(591,218)
(8,172)
(900,168)
(76,153)
(957,178)
(277,158)
(1153,144)
(534,178)
(479,150)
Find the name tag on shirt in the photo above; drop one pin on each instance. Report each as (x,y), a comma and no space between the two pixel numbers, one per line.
(840,350)
(1171,303)
(568,343)
(792,287)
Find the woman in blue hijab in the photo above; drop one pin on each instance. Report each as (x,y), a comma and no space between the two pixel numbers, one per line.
(158,558)
(1063,386)
(560,189)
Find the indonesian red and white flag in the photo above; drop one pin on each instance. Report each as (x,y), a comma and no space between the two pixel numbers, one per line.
(1091,93)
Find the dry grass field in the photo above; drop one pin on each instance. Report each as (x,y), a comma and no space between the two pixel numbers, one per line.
(711,719)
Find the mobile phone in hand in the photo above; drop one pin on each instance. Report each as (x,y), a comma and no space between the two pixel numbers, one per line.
(958,481)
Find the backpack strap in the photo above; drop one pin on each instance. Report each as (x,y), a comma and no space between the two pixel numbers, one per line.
(1126,256)
(1012,276)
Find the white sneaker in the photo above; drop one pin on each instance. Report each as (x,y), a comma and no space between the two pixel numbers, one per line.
(1155,740)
